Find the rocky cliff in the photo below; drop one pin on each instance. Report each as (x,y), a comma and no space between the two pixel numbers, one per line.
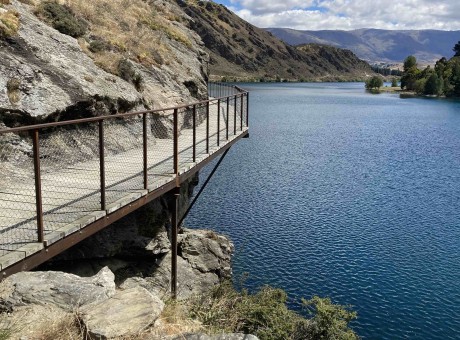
(122,57)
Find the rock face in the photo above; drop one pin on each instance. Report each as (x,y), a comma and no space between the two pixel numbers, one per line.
(46,73)
(127,313)
(66,291)
(51,69)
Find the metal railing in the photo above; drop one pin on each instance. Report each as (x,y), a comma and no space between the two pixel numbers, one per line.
(56,177)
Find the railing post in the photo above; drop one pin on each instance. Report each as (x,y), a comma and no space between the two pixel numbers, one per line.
(241,111)
(194,133)
(234,115)
(144,154)
(207,127)
(227,115)
(174,231)
(102,163)
(38,186)
(247,109)
(176,144)
(218,122)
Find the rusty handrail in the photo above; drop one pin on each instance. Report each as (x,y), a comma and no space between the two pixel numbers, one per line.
(120,115)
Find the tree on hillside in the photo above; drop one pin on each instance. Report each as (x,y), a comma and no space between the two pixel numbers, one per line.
(456,49)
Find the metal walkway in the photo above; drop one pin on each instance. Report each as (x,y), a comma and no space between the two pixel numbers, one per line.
(62,182)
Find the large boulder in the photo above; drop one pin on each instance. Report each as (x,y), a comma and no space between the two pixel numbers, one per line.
(63,290)
(127,313)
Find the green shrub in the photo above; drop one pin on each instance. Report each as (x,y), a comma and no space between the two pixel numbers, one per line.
(266,315)
(127,72)
(329,321)
(62,18)
(374,83)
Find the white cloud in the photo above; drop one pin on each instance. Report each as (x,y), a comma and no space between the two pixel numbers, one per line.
(351,14)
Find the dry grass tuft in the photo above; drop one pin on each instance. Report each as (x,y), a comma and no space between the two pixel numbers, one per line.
(9,23)
(64,329)
(176,320)
(12,90)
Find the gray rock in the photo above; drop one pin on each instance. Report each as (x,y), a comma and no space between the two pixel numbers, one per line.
(127,313)
(234,336)
(207,251)
(66,291)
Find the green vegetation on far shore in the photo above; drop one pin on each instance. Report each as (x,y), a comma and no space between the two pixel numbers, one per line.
(442,80)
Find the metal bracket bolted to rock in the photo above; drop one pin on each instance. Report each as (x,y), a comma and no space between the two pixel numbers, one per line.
(127,313)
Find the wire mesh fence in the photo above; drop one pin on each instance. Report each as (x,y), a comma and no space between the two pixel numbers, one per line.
(59,177)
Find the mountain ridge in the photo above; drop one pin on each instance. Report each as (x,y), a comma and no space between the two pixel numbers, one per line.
(379,45)
(241,51)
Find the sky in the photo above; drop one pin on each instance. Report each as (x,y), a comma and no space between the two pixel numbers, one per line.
(349,14)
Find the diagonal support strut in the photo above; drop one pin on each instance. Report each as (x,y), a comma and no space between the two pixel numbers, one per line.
(202,188)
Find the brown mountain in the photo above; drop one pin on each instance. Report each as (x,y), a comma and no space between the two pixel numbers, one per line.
(241,50)
(376,45)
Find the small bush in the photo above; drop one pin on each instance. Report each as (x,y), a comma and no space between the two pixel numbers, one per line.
(127,72)
(62,18)
(99,45)
(329,321)
(9,24)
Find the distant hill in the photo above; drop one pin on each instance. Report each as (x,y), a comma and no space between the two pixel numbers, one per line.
(375,45)
(239,49)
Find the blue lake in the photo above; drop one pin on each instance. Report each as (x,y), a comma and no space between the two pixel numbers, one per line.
(345,194)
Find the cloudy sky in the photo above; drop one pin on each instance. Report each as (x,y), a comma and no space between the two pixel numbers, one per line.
(349,14)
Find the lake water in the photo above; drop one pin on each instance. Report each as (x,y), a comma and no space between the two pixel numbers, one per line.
(345,194)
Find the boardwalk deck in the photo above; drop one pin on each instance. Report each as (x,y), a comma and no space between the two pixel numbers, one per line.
(71,193)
